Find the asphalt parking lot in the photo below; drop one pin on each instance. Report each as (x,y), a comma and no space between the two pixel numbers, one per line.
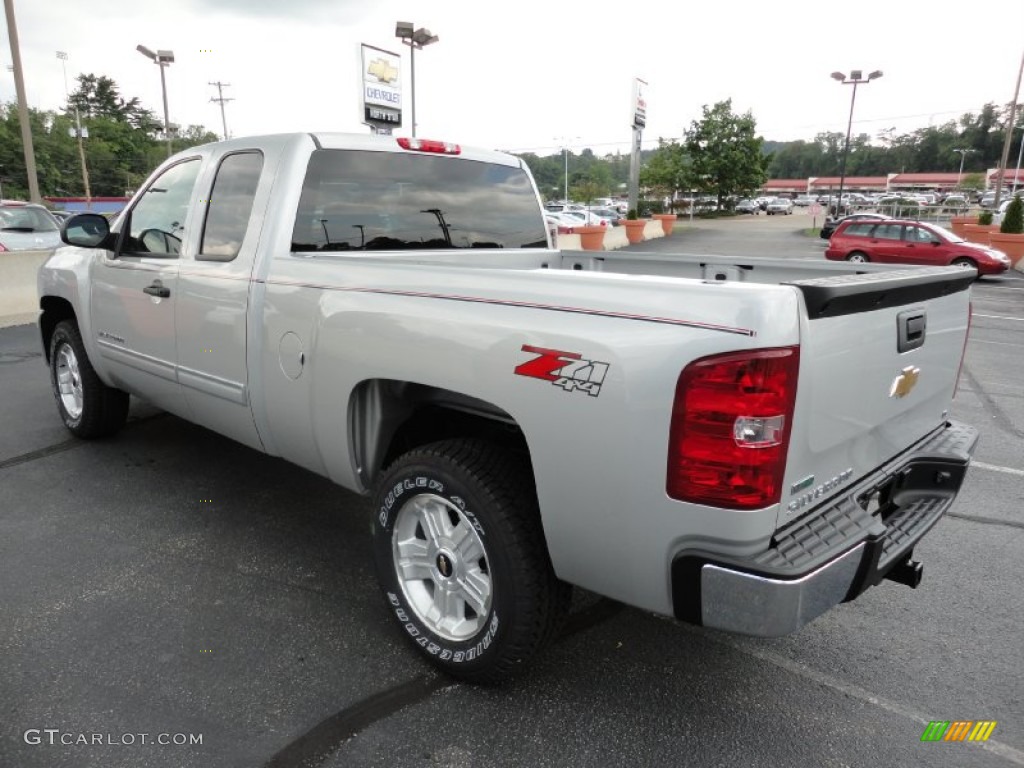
(171,582)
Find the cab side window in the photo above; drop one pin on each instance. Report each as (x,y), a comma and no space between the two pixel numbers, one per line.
(156,225)
(230,206)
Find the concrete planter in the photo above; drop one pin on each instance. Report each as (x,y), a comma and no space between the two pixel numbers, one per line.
(1011,245)
(667,220)
(591,238)
(979,233)
(634,229)
(957,224)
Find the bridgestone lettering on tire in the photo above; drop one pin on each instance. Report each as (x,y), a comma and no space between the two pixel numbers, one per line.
(88,407)
(461,557)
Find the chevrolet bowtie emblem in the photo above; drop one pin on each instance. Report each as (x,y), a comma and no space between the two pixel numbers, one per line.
(382,70)
(905,382)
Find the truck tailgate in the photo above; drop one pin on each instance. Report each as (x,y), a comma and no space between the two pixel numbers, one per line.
(880,354)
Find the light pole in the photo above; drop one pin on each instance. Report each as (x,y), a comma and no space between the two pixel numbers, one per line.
(162,59)
(856,78)
(63,56)
(963,155)
(1020,154)
(416,40)
(564,140)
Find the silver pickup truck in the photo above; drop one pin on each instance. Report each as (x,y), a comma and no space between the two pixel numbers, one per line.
(741,444)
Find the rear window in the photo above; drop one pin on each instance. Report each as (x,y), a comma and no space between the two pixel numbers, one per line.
(26,219)
(372,201)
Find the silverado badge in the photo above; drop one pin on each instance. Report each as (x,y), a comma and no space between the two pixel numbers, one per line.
(905,382)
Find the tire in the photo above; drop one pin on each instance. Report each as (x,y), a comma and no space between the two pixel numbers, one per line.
(462,560)
(963,261)
(858,257)
(87,406)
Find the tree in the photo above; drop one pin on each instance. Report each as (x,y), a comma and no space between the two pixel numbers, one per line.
(1013,219)
(122,147)
(725,153)
(586,191)
(667,172)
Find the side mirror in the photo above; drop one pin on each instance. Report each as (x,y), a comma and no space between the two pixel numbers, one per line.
(86,230)
(936,242)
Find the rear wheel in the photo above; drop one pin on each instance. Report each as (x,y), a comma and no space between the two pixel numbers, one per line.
(88,407)
(462,560)
(858,257)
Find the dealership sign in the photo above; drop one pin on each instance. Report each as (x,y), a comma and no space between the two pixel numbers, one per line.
(381,100)
(639,104)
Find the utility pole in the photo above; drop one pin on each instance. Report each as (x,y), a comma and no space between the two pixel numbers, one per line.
(62,55)
(19,87)
(220,100)
(1006,141)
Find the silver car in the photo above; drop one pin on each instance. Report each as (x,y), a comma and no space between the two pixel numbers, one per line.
(26,226)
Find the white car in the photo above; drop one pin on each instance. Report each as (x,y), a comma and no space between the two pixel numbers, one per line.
(586,218)
(780,206)
(26,226)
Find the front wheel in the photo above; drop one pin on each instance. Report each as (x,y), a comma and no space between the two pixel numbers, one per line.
(965,262)
(462,560)
(87,406)
(858,257)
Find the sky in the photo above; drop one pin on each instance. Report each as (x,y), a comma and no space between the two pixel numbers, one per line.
(530,75)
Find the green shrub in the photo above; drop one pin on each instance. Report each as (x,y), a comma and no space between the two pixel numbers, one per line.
(631,214)
(985,217)
(1013,219)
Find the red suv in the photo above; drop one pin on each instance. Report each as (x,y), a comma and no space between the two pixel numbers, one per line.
(911,242)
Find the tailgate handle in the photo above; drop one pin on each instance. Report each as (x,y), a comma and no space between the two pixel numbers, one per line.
(910,330)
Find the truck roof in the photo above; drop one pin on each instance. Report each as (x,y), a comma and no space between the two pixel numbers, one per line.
(372,143)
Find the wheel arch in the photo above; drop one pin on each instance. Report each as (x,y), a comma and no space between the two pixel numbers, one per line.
(388,417)
(54,310)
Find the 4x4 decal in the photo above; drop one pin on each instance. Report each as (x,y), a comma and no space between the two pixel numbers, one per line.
(567,370)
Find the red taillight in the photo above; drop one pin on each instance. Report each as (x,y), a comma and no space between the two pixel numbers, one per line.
(429,145)
(730,428)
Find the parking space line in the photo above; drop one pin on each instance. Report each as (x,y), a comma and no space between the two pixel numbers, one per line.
(1005,751)
(1001,317)
(997,468)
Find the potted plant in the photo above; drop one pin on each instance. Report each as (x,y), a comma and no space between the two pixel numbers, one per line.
(979,233)
(591,237)
(634,226)
(667,220)
(1010,237)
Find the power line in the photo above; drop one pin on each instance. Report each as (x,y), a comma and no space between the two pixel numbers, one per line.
(220,99)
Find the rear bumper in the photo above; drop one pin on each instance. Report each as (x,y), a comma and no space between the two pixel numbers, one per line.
(833,554)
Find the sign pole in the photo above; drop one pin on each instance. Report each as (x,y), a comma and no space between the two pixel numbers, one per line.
(639,121)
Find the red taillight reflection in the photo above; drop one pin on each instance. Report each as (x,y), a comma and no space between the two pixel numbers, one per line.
(731,421)
(429,145)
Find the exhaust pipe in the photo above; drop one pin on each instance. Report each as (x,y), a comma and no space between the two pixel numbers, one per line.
(908,572)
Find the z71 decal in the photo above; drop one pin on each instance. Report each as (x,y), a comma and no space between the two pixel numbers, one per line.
(567,370)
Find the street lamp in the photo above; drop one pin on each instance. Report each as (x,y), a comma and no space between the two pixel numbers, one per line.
(565,152)
(856,78)
(963,155)
(63,56)
(161,59)
(416,40)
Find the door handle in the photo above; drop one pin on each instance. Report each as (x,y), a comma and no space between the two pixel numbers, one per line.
(157,289)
